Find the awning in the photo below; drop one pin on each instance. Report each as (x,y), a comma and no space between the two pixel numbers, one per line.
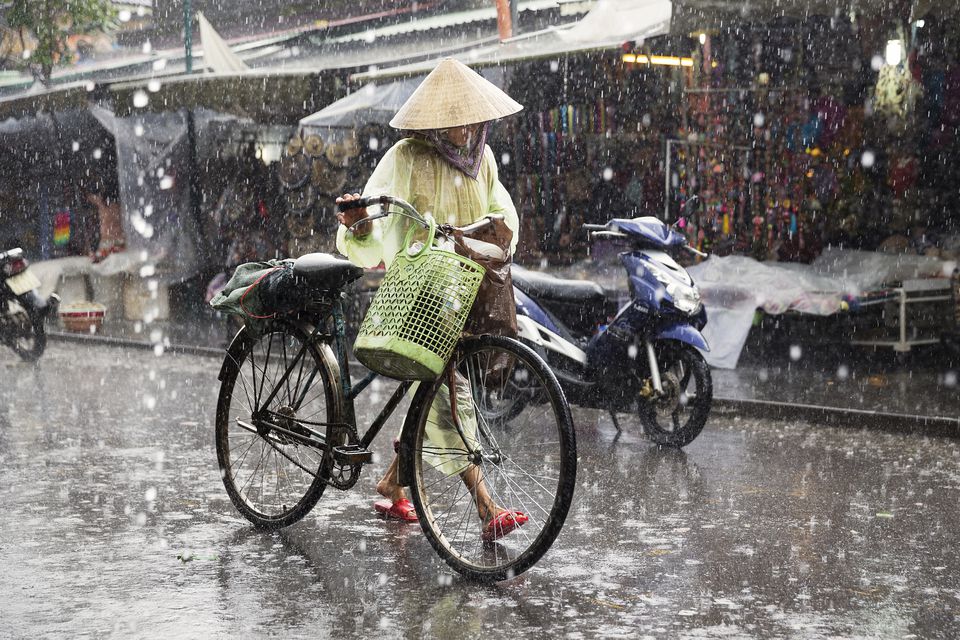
(607,26)
(440,21)
(60,98)
(694,15)
(371,103)
(263,95)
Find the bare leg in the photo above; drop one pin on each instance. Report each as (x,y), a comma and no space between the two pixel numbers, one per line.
(486,507)
(389,486)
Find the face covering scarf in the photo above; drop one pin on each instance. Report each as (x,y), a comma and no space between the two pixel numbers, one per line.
(466,159)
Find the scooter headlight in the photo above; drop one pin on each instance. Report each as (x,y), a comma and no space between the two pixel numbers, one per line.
(685,299)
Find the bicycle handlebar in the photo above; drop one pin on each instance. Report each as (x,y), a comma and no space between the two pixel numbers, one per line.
(408,210)
(384,201)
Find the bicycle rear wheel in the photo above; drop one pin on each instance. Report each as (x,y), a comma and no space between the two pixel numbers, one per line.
(522,462)
(271,455)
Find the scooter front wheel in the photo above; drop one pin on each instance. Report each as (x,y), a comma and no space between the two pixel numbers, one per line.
(677,417)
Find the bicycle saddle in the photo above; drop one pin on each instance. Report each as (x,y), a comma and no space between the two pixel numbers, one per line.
(324,271)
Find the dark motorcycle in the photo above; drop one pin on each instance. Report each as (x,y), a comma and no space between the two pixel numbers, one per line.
(22,309)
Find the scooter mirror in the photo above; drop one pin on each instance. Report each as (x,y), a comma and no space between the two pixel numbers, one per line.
(691,205)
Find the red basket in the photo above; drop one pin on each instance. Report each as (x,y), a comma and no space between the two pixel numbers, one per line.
(82,317)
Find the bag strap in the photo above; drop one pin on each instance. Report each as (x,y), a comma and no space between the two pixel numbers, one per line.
(430,236)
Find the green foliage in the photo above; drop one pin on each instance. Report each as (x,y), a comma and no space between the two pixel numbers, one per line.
(52,21)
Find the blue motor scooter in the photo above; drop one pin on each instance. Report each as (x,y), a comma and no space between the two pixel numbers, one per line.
(647,358)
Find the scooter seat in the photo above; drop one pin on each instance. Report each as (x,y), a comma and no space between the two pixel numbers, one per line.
(541,285)
(324,271)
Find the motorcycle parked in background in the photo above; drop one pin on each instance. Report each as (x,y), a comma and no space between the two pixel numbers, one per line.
(646,360)
(22,309)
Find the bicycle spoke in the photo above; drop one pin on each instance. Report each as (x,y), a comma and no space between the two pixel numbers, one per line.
(272,476)
(519,469)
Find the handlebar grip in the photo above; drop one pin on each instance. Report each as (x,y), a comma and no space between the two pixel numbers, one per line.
(362,203)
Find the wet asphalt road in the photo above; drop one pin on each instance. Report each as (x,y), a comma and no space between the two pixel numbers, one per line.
(115,524)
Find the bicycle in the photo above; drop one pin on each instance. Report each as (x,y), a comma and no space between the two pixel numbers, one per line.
(286,427)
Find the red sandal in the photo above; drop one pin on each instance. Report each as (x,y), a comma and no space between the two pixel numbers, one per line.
(502,524)
(399,510)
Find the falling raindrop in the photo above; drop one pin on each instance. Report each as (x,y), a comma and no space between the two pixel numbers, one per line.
(140,99)
(867,159)
(759,119)
(795,352)
(608,174)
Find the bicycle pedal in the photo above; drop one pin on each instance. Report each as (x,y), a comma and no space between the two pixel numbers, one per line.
(352,454)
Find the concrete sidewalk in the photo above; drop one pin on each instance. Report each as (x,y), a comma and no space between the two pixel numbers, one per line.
(798,379)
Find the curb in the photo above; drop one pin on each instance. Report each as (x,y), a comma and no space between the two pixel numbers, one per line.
(771,409)
(134,344)
(841,416)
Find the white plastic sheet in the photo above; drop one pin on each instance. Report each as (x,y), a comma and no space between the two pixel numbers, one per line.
(734,287)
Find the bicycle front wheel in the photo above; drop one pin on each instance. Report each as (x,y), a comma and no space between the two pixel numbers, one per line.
(271,451)
(492,493)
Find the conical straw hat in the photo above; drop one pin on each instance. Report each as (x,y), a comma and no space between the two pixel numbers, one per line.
(451,96)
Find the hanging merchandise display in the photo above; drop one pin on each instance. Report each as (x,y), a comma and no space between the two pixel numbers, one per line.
(294,170)
(313,145)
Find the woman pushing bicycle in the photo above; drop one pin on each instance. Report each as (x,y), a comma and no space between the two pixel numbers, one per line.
(443,167)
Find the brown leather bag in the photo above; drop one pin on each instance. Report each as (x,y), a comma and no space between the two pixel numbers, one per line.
(494,311)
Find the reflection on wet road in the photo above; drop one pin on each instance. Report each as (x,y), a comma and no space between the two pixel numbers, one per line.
(115,523)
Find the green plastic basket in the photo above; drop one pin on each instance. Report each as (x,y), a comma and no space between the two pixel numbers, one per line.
(417,315)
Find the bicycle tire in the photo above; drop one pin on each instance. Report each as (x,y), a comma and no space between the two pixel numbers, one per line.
(304,468)
(504,478)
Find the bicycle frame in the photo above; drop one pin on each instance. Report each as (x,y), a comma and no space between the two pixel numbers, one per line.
(261,417)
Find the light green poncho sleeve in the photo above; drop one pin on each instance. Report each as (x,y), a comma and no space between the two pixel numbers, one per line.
(412,170)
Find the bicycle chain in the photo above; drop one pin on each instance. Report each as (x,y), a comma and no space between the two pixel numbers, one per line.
(341,476)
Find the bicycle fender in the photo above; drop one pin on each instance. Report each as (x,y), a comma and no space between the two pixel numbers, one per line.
(233,352)
(683,333)
(239,342)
